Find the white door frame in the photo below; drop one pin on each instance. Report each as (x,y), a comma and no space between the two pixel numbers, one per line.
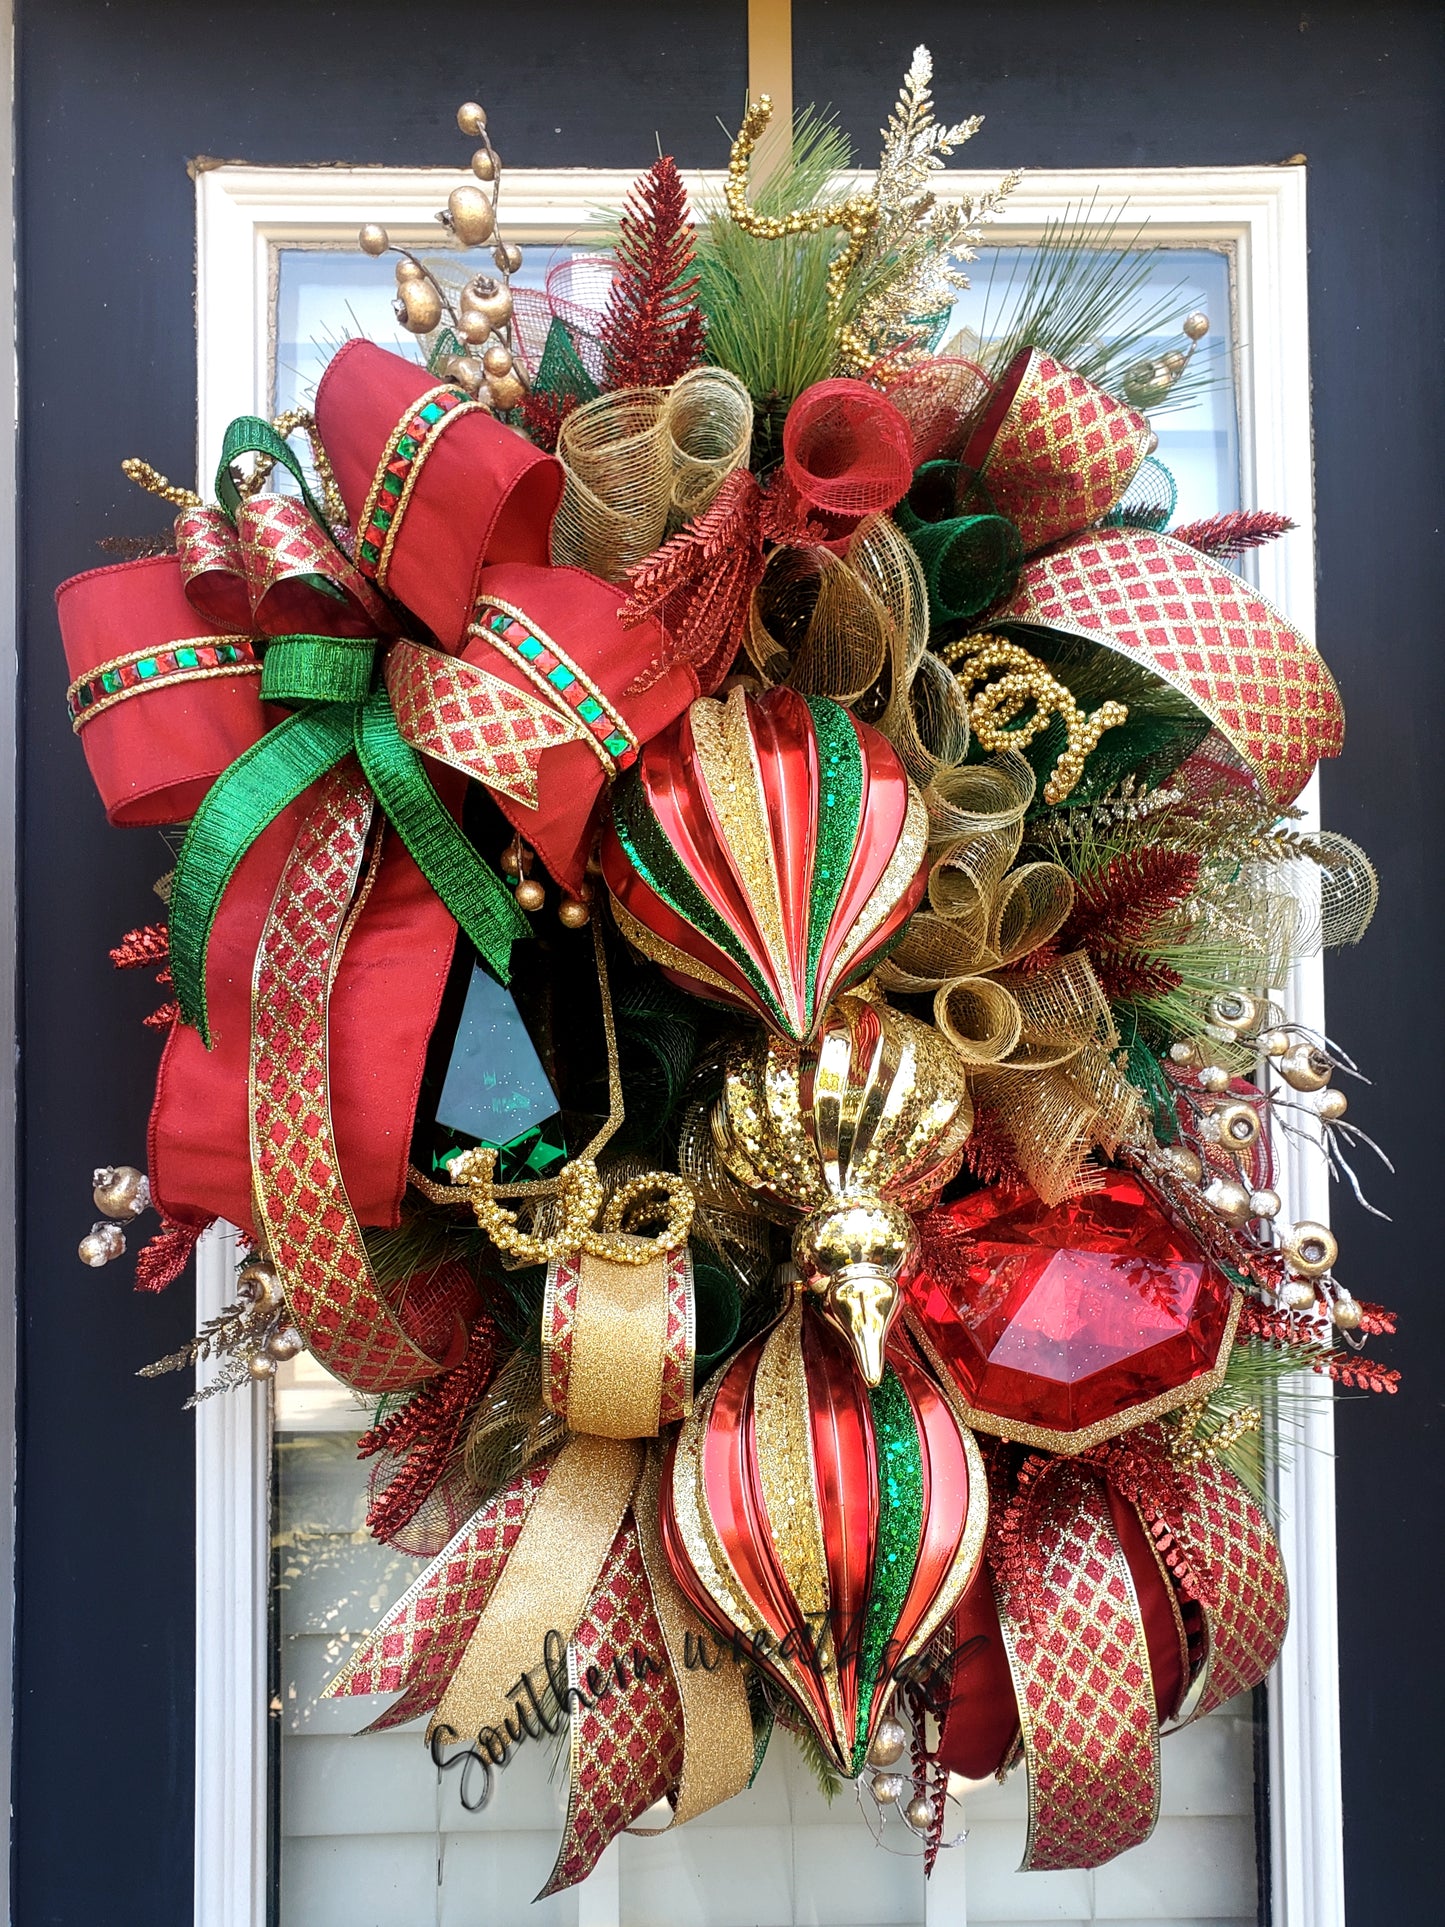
(244,215)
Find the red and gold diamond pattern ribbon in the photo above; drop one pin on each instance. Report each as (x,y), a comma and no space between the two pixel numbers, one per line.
(1245,1626)
(626,1747)
(471,719)
(1063,454)
(302,1204)
(1201,629)
(417,1646)
(680,1355)
(559,1320)
(1085,1693)
(281,544)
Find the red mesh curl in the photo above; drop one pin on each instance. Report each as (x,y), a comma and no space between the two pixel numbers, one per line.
(939,399)
(435,1309)
(846,450)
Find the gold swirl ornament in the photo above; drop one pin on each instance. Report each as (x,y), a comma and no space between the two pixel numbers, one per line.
(855,1133)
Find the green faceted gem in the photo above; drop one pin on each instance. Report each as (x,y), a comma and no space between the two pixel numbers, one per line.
(590,710)
(186,659)
(529,648)
(407,446)
(147,667)
(561,677)
(433,412)
(391,484)
(370,552)
(617,745)
(110,681)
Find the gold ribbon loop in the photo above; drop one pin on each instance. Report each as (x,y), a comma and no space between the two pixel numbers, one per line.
(618,1342)
(546,1582)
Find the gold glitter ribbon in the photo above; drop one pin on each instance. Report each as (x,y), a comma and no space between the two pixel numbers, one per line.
(717,1759)
(547,1580)
(608,1330)
(1085,1692)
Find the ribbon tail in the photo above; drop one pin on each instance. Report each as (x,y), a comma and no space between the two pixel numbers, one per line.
(466,884)
(239,805)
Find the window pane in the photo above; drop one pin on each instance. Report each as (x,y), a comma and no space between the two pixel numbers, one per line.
(370,1831)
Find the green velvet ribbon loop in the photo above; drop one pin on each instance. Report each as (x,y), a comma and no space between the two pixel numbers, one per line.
(243,800)
(249,796)
(317,669)
(250,435)
(467,884)
(970,561)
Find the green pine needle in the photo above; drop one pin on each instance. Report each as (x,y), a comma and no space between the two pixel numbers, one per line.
(766,302)
(1085,272)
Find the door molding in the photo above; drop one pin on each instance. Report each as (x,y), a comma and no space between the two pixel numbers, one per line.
(244,215)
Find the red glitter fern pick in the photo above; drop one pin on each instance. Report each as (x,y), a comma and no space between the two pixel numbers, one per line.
(1125,900)
(700,585)
(544,414)
(150,944)
(164,1257)
(1226,536)
(1118,907)
(421,1437)
(652,331)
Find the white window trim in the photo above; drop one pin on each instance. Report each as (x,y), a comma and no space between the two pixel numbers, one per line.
(244,214)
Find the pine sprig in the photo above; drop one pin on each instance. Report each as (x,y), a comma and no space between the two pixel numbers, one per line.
(653,330)
(1225,536)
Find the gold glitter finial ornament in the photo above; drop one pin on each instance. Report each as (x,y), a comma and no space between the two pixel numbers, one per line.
(855,1132)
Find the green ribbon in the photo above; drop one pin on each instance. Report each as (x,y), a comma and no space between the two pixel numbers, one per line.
(249,435)
(341,716)
(969,561)
(327,681)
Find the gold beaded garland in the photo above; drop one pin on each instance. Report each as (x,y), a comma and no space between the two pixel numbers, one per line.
(994,712)
(857,214)
(580,1202)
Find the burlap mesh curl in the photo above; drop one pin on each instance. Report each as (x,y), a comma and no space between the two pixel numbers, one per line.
(640,462)
(1049,1031)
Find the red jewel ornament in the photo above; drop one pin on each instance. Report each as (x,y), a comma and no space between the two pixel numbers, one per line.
(1063,1325)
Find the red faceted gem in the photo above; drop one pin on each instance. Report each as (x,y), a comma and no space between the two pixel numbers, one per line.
(1065,1324)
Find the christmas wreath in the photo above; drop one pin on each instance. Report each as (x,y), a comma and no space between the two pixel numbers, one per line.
(830,1274)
